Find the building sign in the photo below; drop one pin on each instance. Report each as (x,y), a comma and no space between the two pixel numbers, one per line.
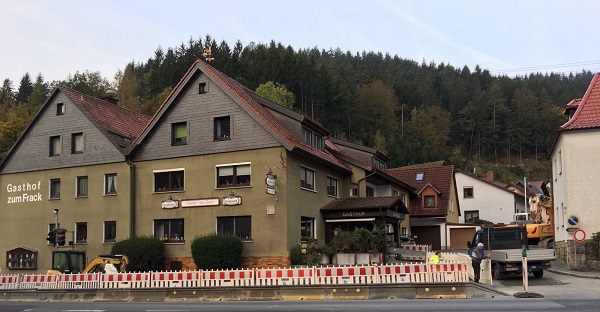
(395,214)
(232,201)
(270,191)
(354,214)
(199,202)
(270,181)
(170,203)
(24,193)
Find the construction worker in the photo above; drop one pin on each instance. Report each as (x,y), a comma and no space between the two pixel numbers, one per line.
(435,258)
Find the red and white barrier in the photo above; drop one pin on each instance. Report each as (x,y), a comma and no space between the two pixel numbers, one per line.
(404,273)
(9,281)
(448,272)
(125,280)
(38,281)
(175,279)
(78,281)
(229,278)
(444,272)
(285,276)
(346,275)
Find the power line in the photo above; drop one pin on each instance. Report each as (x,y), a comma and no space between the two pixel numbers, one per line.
(534,68)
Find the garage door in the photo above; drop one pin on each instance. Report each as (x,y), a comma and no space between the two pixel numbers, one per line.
(460,236)
(427,235)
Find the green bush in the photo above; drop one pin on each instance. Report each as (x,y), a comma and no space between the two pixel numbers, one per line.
(217,251)
(145,253)
(296,256)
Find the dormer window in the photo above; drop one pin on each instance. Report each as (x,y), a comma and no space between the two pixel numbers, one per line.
(313,139)
(419,176)
(379,163)
(429,201)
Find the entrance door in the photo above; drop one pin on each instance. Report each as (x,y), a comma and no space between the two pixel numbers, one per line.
(427,235)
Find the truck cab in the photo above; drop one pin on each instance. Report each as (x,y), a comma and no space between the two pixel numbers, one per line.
(68,261)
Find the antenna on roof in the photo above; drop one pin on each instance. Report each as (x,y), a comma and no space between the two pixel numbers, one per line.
(207,54)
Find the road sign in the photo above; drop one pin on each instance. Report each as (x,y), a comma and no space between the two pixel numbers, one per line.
(573,221)
(579,236)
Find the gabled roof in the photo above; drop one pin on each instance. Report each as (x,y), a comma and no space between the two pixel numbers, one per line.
(246,99)
(587,115)
(362,203)
(429,185)
(497,184)
(358,155)
(435,174)
(121,126)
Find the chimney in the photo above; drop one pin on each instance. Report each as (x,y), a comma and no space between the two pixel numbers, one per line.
(489,176)
(111,96)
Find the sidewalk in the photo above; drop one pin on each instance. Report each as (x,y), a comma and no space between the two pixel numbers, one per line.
(559,267)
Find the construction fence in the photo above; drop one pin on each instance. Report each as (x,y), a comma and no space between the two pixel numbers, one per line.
(444,272)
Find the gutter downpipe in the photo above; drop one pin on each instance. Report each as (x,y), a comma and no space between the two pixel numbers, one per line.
(361,179)
(131,197)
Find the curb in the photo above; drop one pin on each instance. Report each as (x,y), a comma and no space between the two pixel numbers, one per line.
(573,274)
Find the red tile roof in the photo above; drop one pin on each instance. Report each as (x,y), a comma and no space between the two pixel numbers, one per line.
(587,115)
(362,203)
(120,125)
(438,175)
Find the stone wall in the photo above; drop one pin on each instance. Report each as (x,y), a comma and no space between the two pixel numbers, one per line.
(583,256)
(187,263)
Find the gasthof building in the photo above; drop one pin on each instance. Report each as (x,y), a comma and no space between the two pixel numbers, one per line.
(215,158)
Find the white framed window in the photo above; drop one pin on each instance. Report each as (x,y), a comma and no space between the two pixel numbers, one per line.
(240,226)
(354,192)
(169,180)
(110,184)
(332,186)
(468,192)
(307,229)
(403,199)
(234,175)
(370,192)
(307,178)
(471,215)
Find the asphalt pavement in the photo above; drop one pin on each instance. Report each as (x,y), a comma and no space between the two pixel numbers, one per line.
(559,267)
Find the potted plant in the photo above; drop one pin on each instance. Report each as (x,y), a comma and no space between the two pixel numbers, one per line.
(363,244)
(343,245)
(326,251)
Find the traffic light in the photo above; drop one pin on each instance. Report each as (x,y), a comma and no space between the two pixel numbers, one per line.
(51,238)
(61,237)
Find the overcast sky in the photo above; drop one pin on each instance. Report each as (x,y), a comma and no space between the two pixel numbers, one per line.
(59,37)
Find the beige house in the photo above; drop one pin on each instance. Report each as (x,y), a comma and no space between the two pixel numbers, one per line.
(575,158)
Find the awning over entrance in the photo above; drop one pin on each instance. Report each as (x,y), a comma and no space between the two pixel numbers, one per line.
(350,213)
(389,208)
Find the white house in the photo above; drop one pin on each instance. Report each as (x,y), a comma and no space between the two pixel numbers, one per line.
(485,199)
(576,168)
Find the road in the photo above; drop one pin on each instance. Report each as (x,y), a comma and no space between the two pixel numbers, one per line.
(561,293)
(489,305)
(553,286)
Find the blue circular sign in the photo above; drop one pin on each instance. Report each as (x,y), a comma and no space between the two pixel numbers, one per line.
(573,220)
